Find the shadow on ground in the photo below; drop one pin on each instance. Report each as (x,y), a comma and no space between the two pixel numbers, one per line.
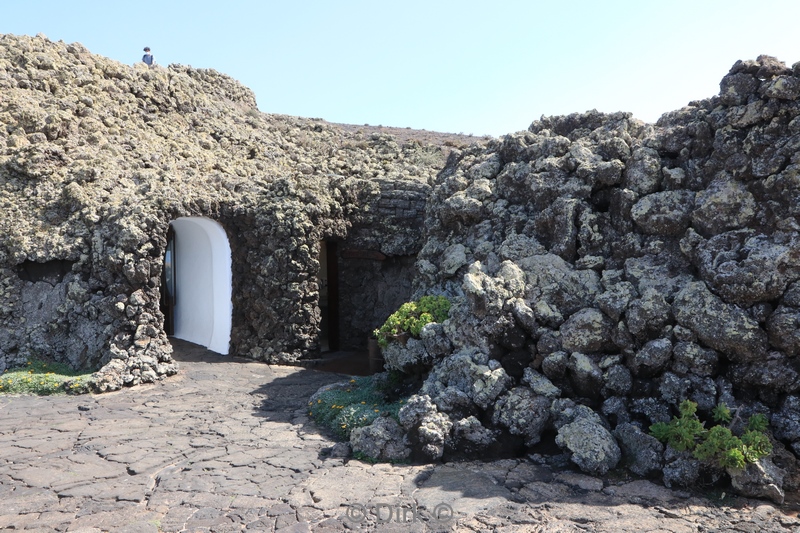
(511,491)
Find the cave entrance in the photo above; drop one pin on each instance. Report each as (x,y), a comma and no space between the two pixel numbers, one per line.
(329,296)
(168,284)
(196,283)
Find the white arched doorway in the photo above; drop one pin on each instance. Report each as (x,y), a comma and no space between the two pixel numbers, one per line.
(202,275)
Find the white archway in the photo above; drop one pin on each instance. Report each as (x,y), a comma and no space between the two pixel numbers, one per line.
(203,305)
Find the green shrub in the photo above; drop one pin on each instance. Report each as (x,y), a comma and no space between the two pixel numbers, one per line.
(344,409)
(44,378)
(717,445)
(411,317)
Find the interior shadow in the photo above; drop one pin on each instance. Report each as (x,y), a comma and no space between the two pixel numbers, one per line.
(185,351)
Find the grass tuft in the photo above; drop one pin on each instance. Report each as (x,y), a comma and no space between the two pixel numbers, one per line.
(44,378)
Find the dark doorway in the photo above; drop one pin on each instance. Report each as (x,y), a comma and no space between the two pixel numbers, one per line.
(168,284)
(329,296)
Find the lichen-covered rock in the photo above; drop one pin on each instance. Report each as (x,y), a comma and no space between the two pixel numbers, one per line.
(585,375)
(614,301)
(680,468)
(539,384)
(553,282)
(433,432)
(653,410)
(743,266)
(792,295)
(664,213)
(783,329)
(617,380)
(460,209)
(724,205)
(524,316)
(435,340)
(429,429)
(643,453)
(615,410)
(663,271)
(588,330)
(383,440)
(703,391)
(761,479)
(652,358)
(523,412)
(691,357)
(554,364)
(591,445)
(564,411)
(454,401)
(406,357)
(673,389)
(643,171)
(786,420)
(769,378)
(736,87)
(721,326)
(485,308)
(471,437)
(647,316)
(480,379)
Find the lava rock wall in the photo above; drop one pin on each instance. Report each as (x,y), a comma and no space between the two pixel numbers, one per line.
(98,158)
(603,270)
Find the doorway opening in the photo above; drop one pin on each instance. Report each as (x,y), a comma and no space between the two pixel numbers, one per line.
(168,284)
(196,286)
(329,296)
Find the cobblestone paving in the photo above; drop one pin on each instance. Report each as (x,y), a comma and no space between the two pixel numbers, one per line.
(228,446)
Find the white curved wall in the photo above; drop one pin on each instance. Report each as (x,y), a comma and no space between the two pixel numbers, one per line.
(203,305)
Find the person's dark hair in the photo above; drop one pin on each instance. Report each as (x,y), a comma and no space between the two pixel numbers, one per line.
(146,48)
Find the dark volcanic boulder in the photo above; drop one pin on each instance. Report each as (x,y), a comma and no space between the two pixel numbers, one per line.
(724,327)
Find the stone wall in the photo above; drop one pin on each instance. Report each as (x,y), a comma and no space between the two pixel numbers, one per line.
(97,158)
(371,290)
(377,260)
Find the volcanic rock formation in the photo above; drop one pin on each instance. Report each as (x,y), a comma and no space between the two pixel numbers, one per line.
(602,270)
(98,158)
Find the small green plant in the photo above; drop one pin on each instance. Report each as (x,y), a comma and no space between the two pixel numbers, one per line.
(358,405)
(721,414)
(44,378)
(411,317)
(718,444)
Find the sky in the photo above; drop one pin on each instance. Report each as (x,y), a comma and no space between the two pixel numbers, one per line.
(480,67)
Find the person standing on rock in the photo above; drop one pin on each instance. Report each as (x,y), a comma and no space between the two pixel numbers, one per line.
(148,57)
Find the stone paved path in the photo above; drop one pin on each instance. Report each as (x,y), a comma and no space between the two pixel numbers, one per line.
(227,446)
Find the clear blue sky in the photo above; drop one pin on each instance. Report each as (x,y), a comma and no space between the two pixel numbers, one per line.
(460,66)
